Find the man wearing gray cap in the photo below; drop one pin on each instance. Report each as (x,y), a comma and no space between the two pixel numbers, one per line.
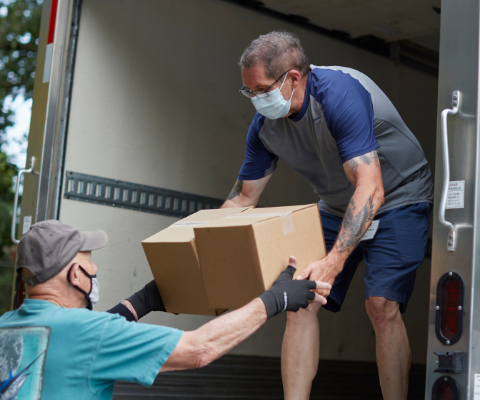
(54,347)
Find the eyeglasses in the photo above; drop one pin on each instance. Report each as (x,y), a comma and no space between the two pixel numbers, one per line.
(259,93)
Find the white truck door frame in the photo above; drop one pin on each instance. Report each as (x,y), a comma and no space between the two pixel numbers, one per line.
(45,141)
(453,360)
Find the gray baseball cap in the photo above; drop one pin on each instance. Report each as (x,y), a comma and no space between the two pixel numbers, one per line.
(49,246)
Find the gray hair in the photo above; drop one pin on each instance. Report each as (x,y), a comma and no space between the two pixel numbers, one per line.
(278,51)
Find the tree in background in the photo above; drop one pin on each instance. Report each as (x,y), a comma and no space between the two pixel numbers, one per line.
(19,31)
(7,172)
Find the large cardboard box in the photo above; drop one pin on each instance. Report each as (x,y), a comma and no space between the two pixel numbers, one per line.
(242,254)
(172,256)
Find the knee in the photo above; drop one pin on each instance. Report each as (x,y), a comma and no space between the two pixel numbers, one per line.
(382,311)
(304,314)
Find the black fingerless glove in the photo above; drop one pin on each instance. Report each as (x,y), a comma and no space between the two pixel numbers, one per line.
(146,300)
(287,294)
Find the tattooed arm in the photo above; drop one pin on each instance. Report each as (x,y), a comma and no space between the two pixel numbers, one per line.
(365,174)
(246,193)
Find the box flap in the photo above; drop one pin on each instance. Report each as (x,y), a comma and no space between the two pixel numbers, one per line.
(182,230)
(254,215)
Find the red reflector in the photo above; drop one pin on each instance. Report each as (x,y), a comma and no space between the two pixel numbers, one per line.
(445,391)
(450,311)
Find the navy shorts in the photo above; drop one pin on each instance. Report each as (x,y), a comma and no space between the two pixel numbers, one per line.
(392,256)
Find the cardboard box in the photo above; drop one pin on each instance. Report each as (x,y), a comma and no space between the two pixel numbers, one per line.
(172,256)
(242,254)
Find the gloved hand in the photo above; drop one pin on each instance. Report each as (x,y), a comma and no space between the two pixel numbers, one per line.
(146,300)
(287,294)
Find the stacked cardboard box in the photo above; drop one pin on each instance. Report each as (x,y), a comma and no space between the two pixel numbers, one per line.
(220,259)
(172,256)
(241,255)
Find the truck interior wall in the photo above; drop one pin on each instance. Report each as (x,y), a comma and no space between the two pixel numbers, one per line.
(155,101)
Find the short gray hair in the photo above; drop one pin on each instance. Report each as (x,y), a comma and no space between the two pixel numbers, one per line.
(278,51)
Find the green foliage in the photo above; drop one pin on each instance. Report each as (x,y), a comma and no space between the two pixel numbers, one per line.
(7,172)
(6,285)
(19,31)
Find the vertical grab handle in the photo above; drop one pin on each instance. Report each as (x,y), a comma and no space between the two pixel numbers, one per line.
(15,200)
(451,240)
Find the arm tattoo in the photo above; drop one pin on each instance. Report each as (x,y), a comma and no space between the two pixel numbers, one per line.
(237,189)
(353,165)
(354,226)
(369,158)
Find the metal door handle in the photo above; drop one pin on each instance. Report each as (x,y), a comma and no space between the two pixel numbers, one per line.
(15,200)
(451,240)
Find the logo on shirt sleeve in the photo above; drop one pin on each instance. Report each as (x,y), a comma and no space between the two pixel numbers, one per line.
(23,352)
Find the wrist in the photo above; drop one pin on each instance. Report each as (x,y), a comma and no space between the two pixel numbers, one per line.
(269,303)
(260,307)
(127,304)
(336,260)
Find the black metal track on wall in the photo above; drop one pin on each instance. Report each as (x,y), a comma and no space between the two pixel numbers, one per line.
(115,193)
(402,52)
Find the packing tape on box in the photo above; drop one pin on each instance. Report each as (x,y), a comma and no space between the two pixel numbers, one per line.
(285,218)
(287,223)
(187,224)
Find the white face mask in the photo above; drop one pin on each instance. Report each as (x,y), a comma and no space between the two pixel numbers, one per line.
(94,294)
(273,106)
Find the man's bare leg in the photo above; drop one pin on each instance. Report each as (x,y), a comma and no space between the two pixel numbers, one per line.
(393,348)
(300,352)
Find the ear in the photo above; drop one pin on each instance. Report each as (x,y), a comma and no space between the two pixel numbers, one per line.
(74,275)
(295,76)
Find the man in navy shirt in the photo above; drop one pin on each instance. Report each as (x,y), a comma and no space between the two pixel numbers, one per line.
(337,129)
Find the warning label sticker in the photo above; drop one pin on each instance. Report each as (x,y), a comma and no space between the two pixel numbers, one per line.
(456,195)
(476,388)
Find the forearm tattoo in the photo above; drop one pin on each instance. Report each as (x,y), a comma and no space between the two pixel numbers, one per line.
(354,225)
(237,189)
(368,159)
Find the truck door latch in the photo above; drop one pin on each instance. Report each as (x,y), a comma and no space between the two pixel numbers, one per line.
(451,362)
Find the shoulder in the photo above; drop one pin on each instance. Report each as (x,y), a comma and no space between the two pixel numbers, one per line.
(103,317)
(132,334)
(257,123)
(329,83)
(82,319)
(6,316)
(111,327)
(253,135)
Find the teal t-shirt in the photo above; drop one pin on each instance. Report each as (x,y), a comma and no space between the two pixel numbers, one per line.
(76,353)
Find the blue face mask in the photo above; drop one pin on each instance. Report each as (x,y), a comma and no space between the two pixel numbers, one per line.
(273,106)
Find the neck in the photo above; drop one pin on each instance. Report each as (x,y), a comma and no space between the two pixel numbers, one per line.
(298,97)
(63,297)
(57,300)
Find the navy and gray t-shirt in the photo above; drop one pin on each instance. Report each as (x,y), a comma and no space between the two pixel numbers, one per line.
(344,115)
